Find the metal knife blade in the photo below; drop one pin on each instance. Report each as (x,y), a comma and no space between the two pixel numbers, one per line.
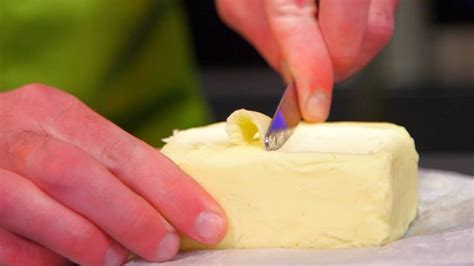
(287,116)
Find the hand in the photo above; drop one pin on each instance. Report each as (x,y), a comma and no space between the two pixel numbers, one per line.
(73,186)
(314,45)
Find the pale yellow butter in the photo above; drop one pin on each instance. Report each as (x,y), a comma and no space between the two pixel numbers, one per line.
(332,185)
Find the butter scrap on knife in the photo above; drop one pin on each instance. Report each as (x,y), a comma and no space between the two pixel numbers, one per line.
(332,185)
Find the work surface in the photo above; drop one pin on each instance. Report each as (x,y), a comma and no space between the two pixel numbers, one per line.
(442,233)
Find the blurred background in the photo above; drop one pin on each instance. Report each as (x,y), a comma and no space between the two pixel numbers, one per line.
(154,65)
(424,79)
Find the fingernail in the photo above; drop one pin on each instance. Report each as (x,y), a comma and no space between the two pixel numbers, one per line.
(115,255)
(209,227)
(168,247)
(317,106)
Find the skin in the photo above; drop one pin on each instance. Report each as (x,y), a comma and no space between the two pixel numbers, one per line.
(74,187)
(314,45)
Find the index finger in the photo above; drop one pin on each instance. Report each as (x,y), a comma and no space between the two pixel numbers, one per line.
(294,25)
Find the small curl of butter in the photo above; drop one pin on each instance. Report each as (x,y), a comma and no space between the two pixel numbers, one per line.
(244,127)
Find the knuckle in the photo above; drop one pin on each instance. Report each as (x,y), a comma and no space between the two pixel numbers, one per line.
(291,8)
(136,222)
(226,11)
(384,33)
(43,94)
(40,102)
(42,161)
(37,90)
(21,145)
(342,62)
(82,239)
(58,171)
(34,87)
(381,28)
(119,154)
(68,116)
(84,233)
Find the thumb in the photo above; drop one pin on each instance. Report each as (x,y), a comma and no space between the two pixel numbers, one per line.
(296,31)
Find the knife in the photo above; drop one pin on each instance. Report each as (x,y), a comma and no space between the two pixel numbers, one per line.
(286,118)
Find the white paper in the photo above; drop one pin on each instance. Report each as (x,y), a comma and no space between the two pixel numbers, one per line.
(442,233)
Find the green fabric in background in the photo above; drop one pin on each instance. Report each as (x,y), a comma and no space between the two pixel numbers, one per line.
(128,60)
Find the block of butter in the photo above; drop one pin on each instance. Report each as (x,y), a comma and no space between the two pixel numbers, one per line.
(331,185)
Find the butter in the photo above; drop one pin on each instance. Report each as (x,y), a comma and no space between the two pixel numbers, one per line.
(331,185)
(244,127)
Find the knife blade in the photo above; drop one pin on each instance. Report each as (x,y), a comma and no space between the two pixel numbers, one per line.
(286,118)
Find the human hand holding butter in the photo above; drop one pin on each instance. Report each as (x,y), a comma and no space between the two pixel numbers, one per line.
(75,187)
(81,187)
